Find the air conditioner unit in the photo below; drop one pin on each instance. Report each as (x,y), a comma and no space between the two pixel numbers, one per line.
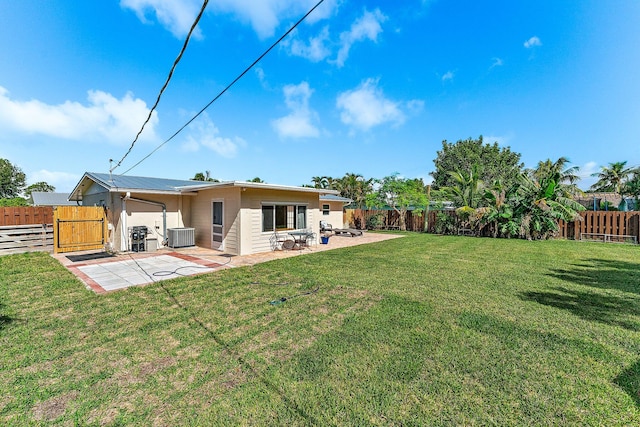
(181,237)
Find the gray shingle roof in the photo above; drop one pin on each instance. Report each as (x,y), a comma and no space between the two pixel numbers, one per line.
(41,198)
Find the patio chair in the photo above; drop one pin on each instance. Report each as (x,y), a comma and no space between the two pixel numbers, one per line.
(279,241)
(311,239)
(324,226)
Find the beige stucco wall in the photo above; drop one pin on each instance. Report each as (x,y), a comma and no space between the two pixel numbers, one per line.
(335,217)
(138,214)
(150,215)
(256,240)
(201,217)
(242,232)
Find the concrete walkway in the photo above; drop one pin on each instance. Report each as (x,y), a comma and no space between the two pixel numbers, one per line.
(102,273)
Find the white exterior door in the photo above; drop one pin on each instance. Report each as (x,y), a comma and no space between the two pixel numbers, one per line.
(217,226)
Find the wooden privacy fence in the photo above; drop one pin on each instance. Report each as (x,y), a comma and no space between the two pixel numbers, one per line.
(26,215)
(26,229)
(606,226)
(386,219)
(79,228)
(26,238)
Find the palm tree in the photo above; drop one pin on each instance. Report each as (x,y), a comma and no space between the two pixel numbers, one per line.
(565,179)
(612,177)
(356,187)
(497,211)
(320,182)
(632,188)
(539,204)
(466,192)
(467,186)
(557,170)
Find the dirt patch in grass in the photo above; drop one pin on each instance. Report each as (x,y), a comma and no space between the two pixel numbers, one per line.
(53,408)
(153,367)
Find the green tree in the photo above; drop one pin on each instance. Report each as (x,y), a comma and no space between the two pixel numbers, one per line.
(400,194)
(558,170)
(39,186)
(632,188)
(206,176)
(495,162)
(466,187)
(540,203)
(12,180)
(356,188)
(320,182)
(465,192)
(497,212)
(256,179)
(612,177)
(13,202)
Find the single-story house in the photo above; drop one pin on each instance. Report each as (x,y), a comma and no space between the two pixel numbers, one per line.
(43,198)
(236,217)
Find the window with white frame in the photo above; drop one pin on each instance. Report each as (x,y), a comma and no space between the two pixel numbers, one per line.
(283,217)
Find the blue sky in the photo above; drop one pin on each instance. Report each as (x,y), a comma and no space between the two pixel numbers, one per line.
(363,87)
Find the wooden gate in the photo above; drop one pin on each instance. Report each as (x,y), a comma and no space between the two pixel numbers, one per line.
(79,228)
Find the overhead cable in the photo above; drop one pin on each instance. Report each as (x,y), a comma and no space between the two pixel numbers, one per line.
(228,86)
(166,83)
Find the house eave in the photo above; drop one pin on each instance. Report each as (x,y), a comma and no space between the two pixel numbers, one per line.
(259,185)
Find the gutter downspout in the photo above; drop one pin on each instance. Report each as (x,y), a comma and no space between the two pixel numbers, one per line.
(164,213)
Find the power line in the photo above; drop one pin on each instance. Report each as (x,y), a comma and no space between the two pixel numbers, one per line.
(228,86)
(166,83)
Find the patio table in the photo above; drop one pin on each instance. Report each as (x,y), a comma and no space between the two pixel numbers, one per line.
(300,237)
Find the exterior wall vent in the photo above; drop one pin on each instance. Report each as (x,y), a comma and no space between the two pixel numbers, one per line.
(181,237)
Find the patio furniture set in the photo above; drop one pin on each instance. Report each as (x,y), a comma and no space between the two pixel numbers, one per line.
(300,239)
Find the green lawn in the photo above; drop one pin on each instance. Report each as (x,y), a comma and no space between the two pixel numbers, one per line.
(423,330)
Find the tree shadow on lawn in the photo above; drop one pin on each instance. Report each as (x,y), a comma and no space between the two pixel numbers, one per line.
(608,309)
(629,381)
(604,274)
(514,336)
(4,319)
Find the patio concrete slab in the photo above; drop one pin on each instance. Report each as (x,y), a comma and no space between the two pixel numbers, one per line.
(103,272)
(126,270)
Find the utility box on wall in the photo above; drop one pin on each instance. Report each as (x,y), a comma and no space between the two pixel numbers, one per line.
(138,237)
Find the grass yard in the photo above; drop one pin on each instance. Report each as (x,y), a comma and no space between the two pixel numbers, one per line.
(423,330)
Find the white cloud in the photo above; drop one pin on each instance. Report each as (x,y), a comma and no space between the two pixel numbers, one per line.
(315,50)
(368,26)
(175,16)
(299,123)
(447,76)
(265,15)
(502,141)
(204,133)
(497,62)
(532,42)
(585,172)
(62,181)
(105,118)
(366,107)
